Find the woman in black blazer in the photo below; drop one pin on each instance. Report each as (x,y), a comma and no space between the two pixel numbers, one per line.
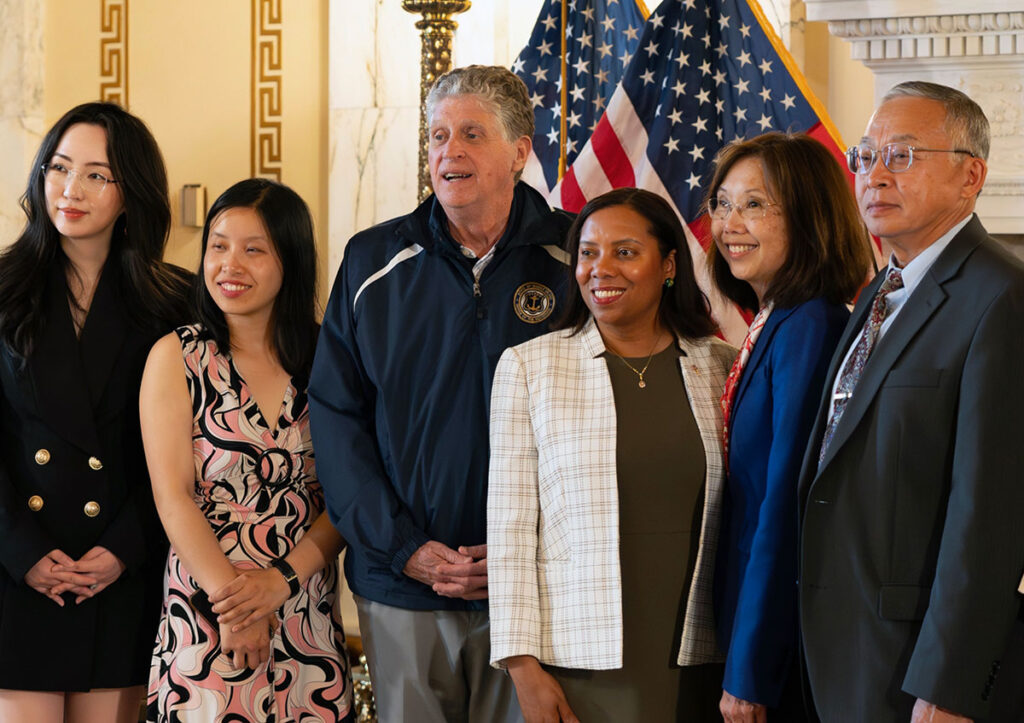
(83,295)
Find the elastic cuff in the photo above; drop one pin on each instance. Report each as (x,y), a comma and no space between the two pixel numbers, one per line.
(416,540)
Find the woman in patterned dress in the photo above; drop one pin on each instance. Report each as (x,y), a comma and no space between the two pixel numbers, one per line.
(226,429)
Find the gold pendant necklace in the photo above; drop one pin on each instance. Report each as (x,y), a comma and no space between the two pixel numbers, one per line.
(640,372)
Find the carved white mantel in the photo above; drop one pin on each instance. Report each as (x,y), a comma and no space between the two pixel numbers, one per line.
(980,53)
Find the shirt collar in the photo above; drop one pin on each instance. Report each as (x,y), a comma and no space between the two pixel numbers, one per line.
(914,271)
(439,224)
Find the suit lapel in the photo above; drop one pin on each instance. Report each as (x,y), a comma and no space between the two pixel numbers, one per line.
(809,468)
(58,377)
(103,335)
(764,340)
(917,310)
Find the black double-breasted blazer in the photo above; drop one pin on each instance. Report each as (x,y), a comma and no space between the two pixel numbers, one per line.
(912,540)
(73,476)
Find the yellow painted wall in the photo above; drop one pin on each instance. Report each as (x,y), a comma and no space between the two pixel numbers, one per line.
(189,80)
(845,86)
(851,91)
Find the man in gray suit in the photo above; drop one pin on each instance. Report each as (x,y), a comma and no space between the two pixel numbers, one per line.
(911,494)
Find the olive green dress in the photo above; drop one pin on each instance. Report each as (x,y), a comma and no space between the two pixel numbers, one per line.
(661,468)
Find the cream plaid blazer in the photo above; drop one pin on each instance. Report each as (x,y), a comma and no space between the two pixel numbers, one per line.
(552,504)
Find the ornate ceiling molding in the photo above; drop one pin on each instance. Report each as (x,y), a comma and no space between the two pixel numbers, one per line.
(980,53)
(933,36)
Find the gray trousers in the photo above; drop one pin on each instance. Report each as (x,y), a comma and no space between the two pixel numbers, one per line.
(432,666)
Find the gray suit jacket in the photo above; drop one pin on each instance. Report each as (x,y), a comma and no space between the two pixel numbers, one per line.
(912,542)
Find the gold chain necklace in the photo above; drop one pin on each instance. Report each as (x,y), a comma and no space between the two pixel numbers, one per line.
(640,372)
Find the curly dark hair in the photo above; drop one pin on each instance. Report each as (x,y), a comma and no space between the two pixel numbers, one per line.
(684,310)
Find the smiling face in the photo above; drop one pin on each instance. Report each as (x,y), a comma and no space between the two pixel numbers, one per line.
(241,268)
(754,249)
(80,216)
(621,272)
(912,209)
(472,165)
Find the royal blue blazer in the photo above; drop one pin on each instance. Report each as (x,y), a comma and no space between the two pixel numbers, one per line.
(756,567)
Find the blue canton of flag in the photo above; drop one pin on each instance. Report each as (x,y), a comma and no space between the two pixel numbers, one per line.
(601,38)
(706,74)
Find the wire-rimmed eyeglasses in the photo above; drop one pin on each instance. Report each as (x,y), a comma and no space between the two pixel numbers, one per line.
(92,182)
(750,210)
(897,157)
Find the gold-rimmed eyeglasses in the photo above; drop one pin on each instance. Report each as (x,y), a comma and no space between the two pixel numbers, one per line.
(897,157)
(92,182)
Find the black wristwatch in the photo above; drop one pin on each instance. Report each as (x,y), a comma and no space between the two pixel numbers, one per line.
(289,575)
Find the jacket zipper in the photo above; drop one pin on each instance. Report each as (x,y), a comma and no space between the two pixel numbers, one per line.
(478,295)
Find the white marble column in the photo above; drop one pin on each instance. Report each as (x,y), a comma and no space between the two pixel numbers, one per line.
(21,104)
(980,53)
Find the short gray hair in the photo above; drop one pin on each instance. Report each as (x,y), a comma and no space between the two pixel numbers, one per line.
(497,87)
(966,124)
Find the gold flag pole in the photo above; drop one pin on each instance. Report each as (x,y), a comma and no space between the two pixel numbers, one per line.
(436,30)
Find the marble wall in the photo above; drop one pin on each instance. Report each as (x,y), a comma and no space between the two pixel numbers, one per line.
(373,103)
(21,104)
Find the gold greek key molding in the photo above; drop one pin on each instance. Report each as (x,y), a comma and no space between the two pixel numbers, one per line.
(267,82)
(436,30)
(114,51)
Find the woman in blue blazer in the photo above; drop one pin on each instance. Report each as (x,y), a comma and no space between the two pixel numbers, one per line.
(789,243)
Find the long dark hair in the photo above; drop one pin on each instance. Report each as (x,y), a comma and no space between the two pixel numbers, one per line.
(155,294)
(290,227)
(829,253)
(684,309)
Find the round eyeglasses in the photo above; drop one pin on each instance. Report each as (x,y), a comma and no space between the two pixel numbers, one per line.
(897,157)
(749,210)
(92,182)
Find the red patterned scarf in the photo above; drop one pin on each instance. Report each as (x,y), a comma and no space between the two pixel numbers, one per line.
(733,382)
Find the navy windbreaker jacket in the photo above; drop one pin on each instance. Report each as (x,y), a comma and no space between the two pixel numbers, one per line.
(400,388)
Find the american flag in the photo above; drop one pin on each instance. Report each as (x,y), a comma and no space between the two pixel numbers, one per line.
(601,37)
(703,72)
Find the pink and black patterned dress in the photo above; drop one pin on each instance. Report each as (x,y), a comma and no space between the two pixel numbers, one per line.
(259,490)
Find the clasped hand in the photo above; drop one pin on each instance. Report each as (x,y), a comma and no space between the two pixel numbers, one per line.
(458,573)
(251,596)
(57,573)
(250,647)
(737,710)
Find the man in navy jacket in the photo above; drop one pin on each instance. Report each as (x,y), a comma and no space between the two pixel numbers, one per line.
(421,310)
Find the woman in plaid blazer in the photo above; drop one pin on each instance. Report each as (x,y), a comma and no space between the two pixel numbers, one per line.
(636,334)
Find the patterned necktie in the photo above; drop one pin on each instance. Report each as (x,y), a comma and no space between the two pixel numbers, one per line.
(851,372)
(733,380)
